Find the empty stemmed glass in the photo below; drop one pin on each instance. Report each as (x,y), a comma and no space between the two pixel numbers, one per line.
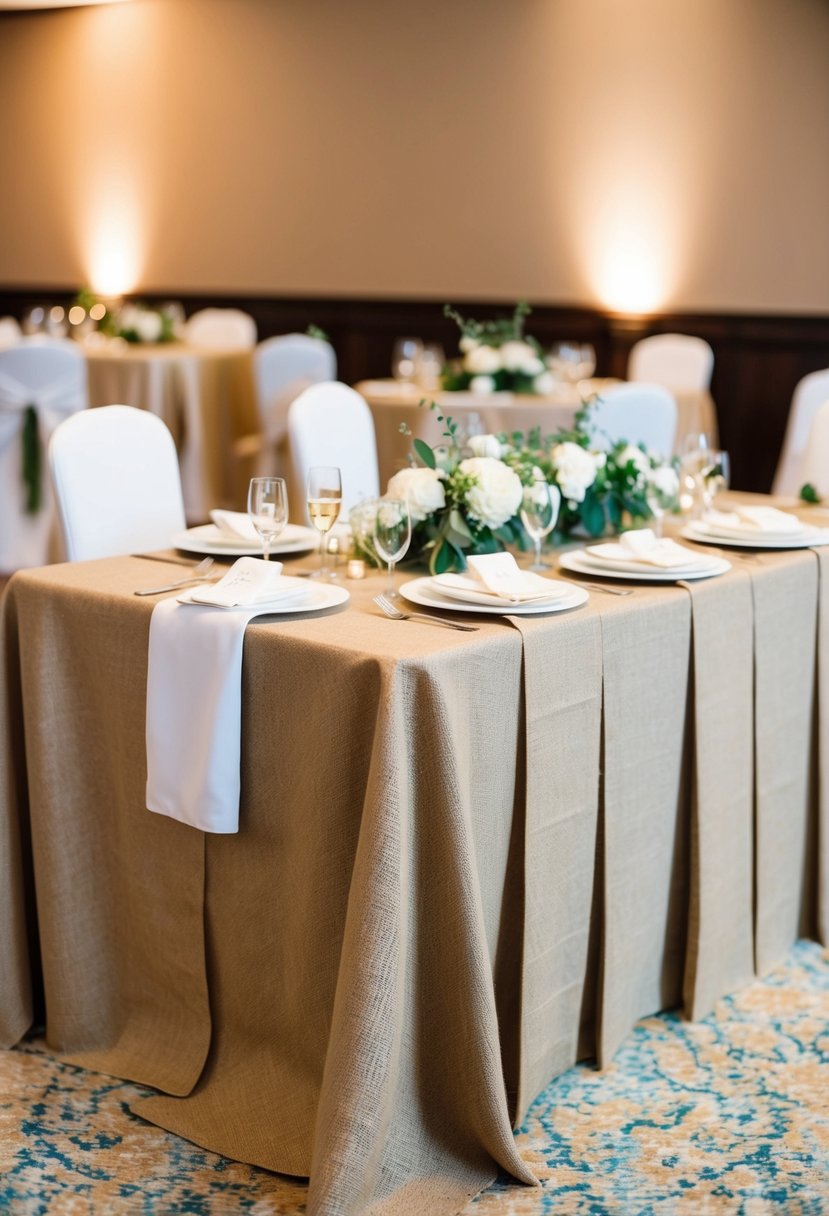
(268,509)
(694,454)
(662,493)
(392,534)
(405,360)
(715,476)
(324,498)
(539,513)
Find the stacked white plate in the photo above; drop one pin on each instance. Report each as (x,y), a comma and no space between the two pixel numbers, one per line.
(209,539)
(461,593)
(613,560)
(755,528)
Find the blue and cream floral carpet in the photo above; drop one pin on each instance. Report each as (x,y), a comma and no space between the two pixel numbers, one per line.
(728,1115)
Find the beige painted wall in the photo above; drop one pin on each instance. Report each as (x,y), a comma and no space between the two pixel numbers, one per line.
(633,154)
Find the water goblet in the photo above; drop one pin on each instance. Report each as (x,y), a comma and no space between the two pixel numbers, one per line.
(324,497)
(715,476)
(392,535)
(405,360)
(661,493)
(539,513)
(268,509)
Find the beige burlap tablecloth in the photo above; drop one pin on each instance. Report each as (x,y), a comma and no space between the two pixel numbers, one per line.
(432,891)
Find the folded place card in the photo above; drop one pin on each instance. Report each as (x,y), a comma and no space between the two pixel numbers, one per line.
(249,582)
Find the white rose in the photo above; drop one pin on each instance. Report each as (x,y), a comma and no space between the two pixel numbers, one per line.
(666,480)
(466,343)
(497,494)
(636,456)
(482,359)
(533,366)
(544,384)
(422,487)
(482,385)
(516,356)
(576,469)
(486,445)
(148,325)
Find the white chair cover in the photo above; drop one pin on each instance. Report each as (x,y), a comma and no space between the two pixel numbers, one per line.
(51,379)
(809,395)
(282,368)
(10,332)
(117,482)
(639,413)
(226,328)
(331,424)
(815,465)
(677,361)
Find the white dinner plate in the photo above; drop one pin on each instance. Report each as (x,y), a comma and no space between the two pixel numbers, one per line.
(706,536)
(579,564)
(423,591)
(207,539)
(318,597)
(469,595)
(697,563)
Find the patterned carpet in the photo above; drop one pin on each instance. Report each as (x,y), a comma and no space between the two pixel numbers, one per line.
(729,1115)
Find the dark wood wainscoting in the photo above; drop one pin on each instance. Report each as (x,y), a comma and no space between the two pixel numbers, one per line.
(758,358)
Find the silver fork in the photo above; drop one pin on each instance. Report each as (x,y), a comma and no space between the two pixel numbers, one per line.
(199,574)
(610,590)
(394,614)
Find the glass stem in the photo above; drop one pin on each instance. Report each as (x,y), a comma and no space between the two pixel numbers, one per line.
(323,542)
(537,543)
(390,580)
(266,544)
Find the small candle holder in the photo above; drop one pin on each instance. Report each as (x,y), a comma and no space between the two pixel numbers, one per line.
(356,568)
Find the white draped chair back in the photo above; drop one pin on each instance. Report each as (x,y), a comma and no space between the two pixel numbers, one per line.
(117,482)
(41,384)
(815,465)
(330,423)
(639,413)
(677,361)
(225,328)
(10,332)
(283,367)
(809,395)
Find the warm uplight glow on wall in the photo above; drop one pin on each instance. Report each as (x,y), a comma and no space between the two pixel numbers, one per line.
(113,240)
(630,259)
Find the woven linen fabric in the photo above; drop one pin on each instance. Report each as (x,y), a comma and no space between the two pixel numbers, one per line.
(785,620)
(119,891)
(562,677)
(355,921)
(645,648)
(720,946)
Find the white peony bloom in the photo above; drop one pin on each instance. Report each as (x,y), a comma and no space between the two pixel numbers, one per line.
(497,494)
(637,457)
(486,445)
(666,480)
(466,343)
(422,487)
(482,385)
(576,469)
(482,359)
(544,384)
(517,356)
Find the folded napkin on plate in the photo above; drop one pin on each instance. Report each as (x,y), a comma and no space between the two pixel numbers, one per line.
(235,525)
(498,575)
(194,703)
(643,546)
(249,582)
(755,519)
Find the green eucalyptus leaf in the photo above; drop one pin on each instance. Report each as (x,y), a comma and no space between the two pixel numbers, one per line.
(424,452)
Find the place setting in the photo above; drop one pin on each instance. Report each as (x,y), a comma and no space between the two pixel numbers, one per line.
(754,527)
(642,556)
(494,584)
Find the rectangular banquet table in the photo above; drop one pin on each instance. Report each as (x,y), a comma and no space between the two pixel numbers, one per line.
(464,860)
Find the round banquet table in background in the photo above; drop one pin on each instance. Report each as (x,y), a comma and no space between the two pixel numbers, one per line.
(205,396)
(394,405)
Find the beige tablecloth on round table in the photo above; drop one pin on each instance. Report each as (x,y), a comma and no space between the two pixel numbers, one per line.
(432,889)
(205,396)
(394,405)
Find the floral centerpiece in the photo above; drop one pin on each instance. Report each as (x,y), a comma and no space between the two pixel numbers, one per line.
(496,356)
(465,496)
(133,321)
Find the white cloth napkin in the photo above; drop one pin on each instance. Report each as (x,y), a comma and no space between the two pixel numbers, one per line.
(499,576)
(194,698)
(642,546)
(235,525)
(755,519)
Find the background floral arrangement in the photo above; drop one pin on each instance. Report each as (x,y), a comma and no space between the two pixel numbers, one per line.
(465,496)
(496,356)
(139,323)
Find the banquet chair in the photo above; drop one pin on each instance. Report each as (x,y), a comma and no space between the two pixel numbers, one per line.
(10,332)
(227,328)
(677,361)
(330,423)
(809,394)
(117,483)
(40,385)
(282,368)
(638,413)
(815,466)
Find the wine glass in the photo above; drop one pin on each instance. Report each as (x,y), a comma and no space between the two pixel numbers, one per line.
(392,534)
(405,359)
(539,512)
(324,496)
(693,454)
(661,493)
(429,367)
(715,476)
(268,508)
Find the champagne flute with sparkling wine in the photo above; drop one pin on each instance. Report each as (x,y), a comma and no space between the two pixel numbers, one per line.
(268,509)
(324,497)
